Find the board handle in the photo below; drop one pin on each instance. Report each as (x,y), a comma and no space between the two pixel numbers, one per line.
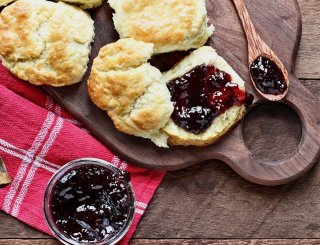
(239,157)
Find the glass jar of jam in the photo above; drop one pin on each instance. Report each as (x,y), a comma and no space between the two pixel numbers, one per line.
(89,201)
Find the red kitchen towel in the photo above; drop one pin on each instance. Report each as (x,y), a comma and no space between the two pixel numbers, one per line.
(36,138)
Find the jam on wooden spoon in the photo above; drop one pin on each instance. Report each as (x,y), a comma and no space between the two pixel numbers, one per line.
(269,76)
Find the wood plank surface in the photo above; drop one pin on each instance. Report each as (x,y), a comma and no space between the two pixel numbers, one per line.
(226,242)
(180,242)
(308,61)
(240,211)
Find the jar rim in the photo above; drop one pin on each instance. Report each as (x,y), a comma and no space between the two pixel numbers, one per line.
(75,164)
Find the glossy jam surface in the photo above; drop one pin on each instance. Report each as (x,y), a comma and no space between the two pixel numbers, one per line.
(267,76)
(91,203)
(202,94)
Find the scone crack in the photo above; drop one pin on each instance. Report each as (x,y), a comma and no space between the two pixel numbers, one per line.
(40,34)
(38,56)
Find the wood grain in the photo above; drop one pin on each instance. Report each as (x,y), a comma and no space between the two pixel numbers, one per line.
(227,242)
(308,61)
(29,242)
(13,228)
(180,242)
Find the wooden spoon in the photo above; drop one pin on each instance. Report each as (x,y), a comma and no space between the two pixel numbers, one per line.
(258,49)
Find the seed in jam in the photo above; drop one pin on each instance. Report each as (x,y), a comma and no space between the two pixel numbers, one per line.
(267,76)
(91,203)
(202,94)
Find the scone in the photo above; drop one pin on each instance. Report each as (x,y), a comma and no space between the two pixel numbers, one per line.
(131,90)
(168,24)
(208,96)
(85,4)
(45,42)
(5,2)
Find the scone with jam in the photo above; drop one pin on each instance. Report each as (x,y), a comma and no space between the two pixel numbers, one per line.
(208,96)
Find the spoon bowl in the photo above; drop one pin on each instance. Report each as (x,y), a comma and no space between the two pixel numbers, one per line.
(257,48)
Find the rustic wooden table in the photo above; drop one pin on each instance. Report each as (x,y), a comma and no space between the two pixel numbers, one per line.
(210,204)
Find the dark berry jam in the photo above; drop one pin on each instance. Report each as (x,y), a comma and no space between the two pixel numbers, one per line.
(91,203)
(267,76)
(202,94)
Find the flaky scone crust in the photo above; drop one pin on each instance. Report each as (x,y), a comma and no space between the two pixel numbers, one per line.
(5,2)
(85,4)
(168,24)
(130,90)
(45,42)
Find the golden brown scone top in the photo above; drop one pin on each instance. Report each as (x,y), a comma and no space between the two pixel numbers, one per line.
(130,90)
(5,2)
(85,4)
(45,42)
(168,24)
(122,55)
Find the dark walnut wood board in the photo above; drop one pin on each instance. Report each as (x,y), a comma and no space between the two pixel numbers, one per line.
(279,24)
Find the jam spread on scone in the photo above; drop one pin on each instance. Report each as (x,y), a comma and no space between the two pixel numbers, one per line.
(91,204)
(267,76)
(202,94)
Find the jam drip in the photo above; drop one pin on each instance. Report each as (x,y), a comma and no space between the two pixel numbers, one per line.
(202,94)
(91,203)
(267,76)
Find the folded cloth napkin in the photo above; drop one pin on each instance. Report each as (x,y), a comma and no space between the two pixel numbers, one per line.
(36,138)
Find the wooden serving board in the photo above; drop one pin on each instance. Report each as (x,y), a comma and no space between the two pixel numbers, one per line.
(279,24)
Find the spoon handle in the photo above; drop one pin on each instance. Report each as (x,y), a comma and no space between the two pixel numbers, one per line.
(256,46)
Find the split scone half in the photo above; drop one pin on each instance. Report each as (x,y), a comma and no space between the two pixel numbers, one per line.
(208,96)
(131,90)
(169,24)
(45,42)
